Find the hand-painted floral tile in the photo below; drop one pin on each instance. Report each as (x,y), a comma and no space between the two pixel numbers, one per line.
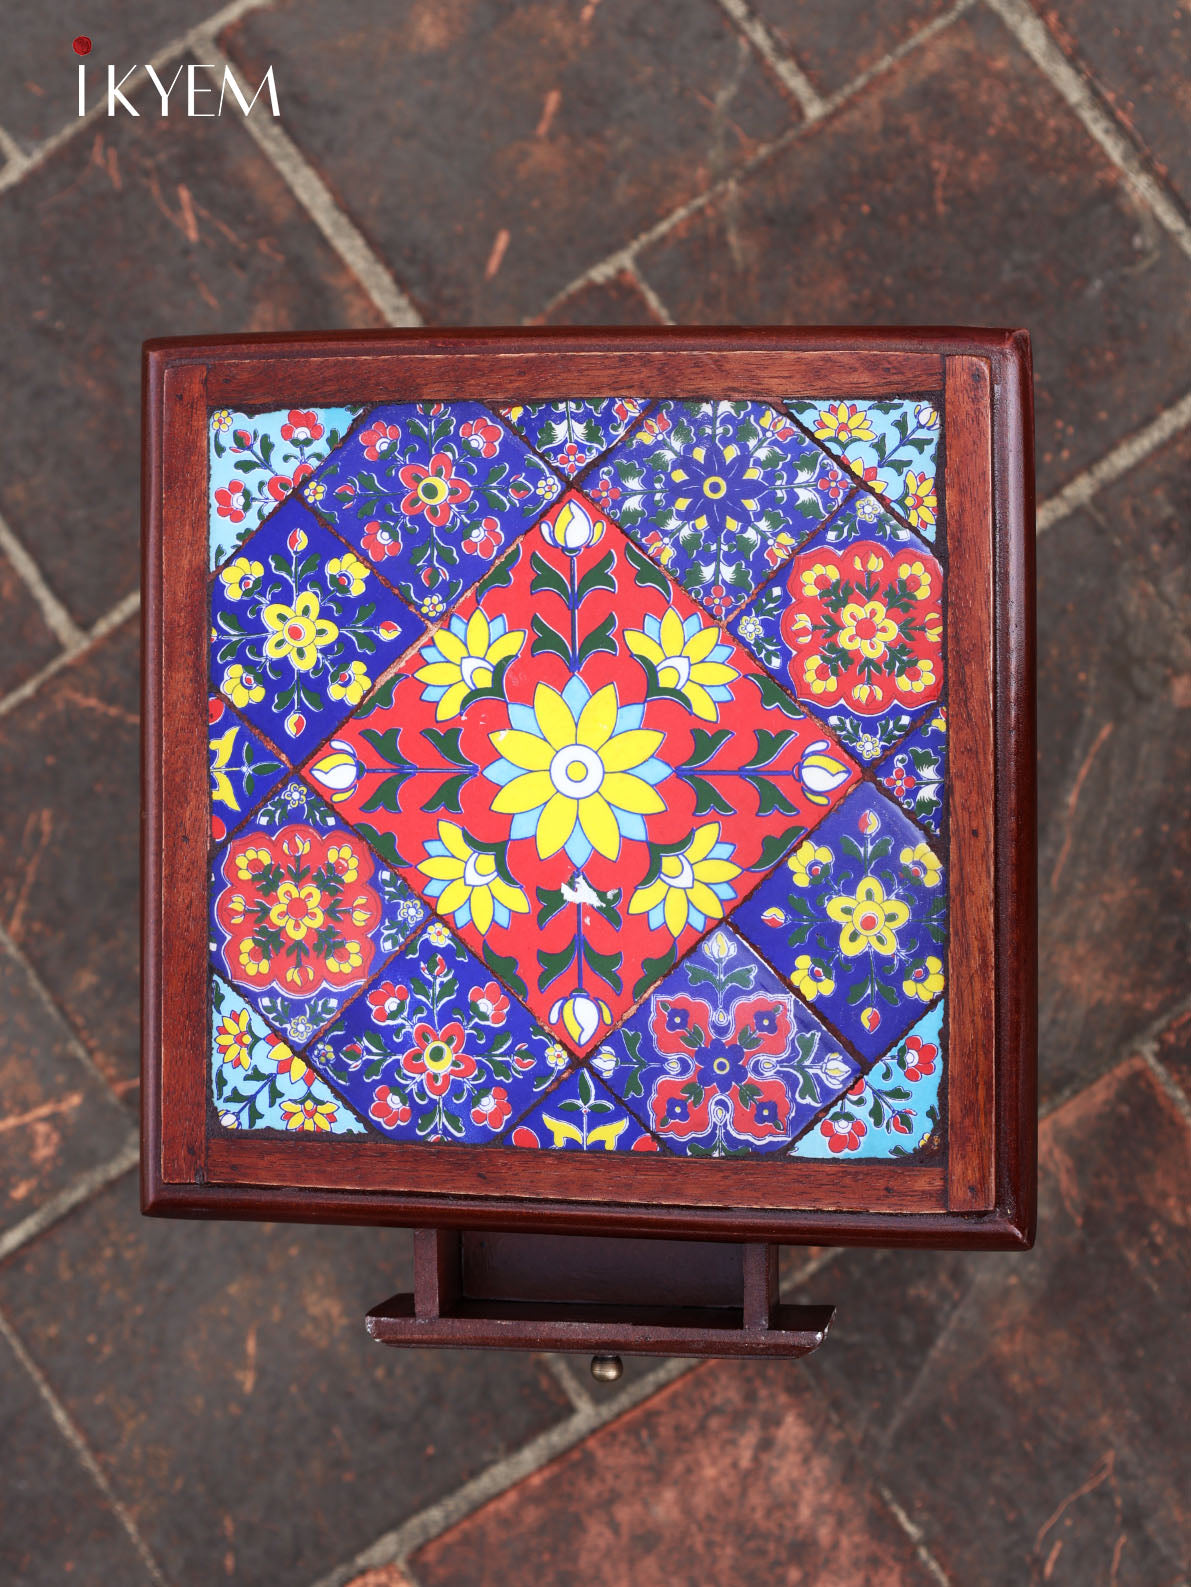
(302,913)
(436,1050)
(258,1082)
(721,1060)
(257,461)
(891,446)
(571,435)
(582,1115)
(891,1111)
(430,493)
(856,630)
(243,771)
(718,493)
(301,628)
(914,773)
(855,919)
(581,771)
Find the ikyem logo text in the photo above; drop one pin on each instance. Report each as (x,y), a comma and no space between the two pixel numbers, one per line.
(195,85)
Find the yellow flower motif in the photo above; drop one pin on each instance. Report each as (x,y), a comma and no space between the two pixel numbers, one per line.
(933,627)
(867,691)
(811,979)
(819,676)
(469,882)
(349,957)
(309,1115)
(299,633)
(337,772)
(917,579)
(816,579)
(314,490)
(919,500)
(350,683)
(573,530)
(580,1016)
(844,422)
(241,687)
(925,980)
(870,920)
(239,577)
(438,934)
(221,419)
(808,863)
(297,910)
(688,882)
(252,960)
(234,1039)
(347,573)
(221,783)
(236,906)
(923,863)
(939,722)
(918,677)
(686,663)
(249,862)
(577,771)
(867,628)
(464,657)
(344,860)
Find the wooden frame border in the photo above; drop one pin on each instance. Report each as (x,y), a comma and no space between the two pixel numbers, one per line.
(985,1194)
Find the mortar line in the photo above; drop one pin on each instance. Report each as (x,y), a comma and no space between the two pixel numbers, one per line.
(1035,39)
(79,1190)
(649,294)
(569,1381)
(395,1547)
(100,629)
(315,197)
(1131,451)
(782,65)
(9,147)
(914,1533)
(57,619)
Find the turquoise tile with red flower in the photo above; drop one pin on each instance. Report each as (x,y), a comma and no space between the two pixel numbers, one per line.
(243,770)
(893,1110)
(431,493)
(856,630)
(721,1060)
(302,913)
(571,435)
(257,460)
(717,493)
(436,1049)
(891,446)
(300,629)
(258,1081)
(915,772)
(581,771)
(582,1115)
(855,919)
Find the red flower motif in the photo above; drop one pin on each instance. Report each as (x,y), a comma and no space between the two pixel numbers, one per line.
(920,1058)
(645,1144)
(215,710)
(434,490)
(380,541)
(718,601)
(230,501)
(493,1109)
(484,434)
(378,440)
(437,1057)
(524,1136)
(388,1107)
(302,426)
(386,1002)
(572,458)
(485,539)
(900,782)
(843,1135)
(832,484)
(489,1003)
(604,493)
(280,486)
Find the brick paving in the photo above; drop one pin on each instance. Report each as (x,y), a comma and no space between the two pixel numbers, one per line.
(191,1403)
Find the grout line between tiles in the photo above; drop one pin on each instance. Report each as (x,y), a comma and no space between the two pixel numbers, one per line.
(649,294)
(1035,39)
(103,626)
(9,147)
(1142,1045)
(73,1195)
(787,71)
(1131,451)
(315,197)
(808,1270)
(570,1381)
(73,1437)
(915,1534)
(57,619)
(1182,1104)
(395,1547)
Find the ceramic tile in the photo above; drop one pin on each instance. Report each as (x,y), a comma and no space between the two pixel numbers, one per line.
(437,1050)
(855,628)
(571,435)
(430,493)
(257,461)
(581,771)
(721,1060)
(302,913)
(892,1110)
(243,771)
(301,628)
(855,920)
(718,494)
(891,447)
(581,1115)
(916,770)
(258,1082)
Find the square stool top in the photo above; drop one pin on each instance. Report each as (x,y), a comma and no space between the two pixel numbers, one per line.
(589,782)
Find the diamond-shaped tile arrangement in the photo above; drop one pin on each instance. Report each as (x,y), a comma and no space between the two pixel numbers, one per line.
(890,446)
(620,841)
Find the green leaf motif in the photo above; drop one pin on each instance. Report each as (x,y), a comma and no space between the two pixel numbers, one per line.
(553,964)
(547,641)
(505,966)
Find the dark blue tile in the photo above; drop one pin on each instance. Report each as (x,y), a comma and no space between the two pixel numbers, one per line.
(243,770)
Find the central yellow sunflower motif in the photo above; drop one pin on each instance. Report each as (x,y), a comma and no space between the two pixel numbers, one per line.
(463,658)
(297,910)
(691,885)
(465,882)
(577,771)
(687,657)
(870,920)
(298,632)
(867,628)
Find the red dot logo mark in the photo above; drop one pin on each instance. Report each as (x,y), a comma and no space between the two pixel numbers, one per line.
(82,45)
